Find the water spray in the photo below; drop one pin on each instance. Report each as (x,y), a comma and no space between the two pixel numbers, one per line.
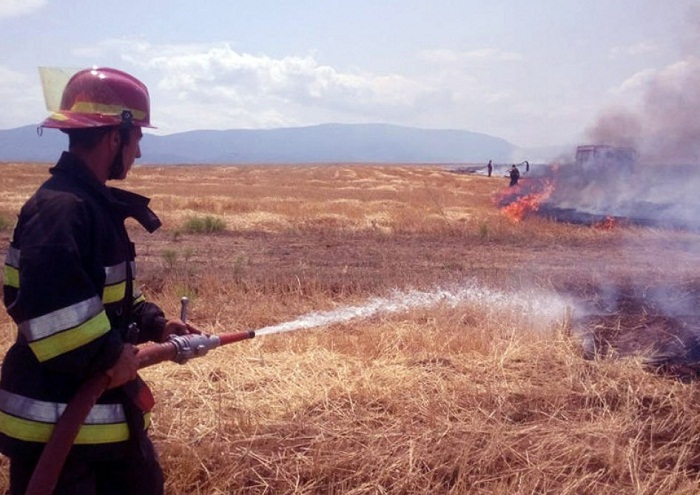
(182,348)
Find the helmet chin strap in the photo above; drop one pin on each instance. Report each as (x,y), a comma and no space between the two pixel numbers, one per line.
(117,169)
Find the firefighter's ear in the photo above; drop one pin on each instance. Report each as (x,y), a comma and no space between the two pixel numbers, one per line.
(114,139)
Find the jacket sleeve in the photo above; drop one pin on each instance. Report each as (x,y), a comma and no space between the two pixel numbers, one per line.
(57,303)
(150,320)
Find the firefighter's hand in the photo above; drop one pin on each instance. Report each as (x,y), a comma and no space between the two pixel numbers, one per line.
(125,369)
(177,327)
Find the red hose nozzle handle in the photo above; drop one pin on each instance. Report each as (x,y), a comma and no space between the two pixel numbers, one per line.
(230,338)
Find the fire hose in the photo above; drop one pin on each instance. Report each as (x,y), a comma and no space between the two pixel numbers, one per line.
(180,349)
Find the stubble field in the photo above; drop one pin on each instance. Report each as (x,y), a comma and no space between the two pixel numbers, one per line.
(460,368)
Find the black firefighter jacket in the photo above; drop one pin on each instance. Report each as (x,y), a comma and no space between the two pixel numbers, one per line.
(69,285)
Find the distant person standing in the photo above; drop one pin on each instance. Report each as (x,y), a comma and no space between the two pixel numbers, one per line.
(514,176)
(489,168)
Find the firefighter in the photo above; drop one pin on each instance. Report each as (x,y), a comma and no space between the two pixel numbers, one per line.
(514,176)
(70,286)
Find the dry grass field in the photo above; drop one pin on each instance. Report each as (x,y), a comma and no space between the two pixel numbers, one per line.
(466,372)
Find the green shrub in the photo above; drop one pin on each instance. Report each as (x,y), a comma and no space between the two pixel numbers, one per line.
(170,258)
(206,225)
(5,224)
(483,231)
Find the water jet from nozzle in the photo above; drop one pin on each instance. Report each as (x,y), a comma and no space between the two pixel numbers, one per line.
(551,306)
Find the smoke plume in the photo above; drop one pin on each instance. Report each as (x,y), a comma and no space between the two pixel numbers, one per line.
(659,186)
(664,128)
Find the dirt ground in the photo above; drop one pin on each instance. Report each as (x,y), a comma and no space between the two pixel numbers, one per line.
(353,231)
(636,292)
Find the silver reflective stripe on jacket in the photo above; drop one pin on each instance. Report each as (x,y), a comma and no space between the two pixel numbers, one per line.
(61,319)
(115,274)
(12,257)
(49,412)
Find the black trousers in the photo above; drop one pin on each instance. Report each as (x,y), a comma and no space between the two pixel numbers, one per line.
(139,473)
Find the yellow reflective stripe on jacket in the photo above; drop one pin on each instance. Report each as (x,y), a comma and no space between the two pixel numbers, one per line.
(34,431)
(11,272)
(22,429)
(114,293)
(115,283)
(98,434)
(11,276)
(95,434)
(68,340)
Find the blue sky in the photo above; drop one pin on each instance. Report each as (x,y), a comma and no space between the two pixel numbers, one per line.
(537,72)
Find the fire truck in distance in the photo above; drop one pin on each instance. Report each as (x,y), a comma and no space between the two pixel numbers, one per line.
(604,158)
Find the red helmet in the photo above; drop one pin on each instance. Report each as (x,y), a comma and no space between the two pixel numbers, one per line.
(101,97)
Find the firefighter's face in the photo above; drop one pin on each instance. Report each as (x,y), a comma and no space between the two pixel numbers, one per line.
(124,156)
(132,150)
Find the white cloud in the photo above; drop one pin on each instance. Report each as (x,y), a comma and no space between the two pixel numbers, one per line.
(680,71)
(20,92)
(636,83)
(242,89)
(455,57)
(203,71)
(10,78)
(14,8)
(641,48)
(673,77)
(215,86)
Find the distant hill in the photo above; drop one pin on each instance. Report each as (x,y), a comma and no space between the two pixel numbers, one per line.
(326,143)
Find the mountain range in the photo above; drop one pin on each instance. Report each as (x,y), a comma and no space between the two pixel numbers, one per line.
(325,143)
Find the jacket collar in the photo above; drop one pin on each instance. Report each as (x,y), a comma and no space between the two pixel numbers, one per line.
(124,203)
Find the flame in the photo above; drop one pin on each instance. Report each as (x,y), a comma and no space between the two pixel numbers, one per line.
(608,224)
(518,202)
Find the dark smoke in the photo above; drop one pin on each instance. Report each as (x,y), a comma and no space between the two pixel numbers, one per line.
(665,128)
(660,189)
(616,127)
(657,318)
(670,119)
